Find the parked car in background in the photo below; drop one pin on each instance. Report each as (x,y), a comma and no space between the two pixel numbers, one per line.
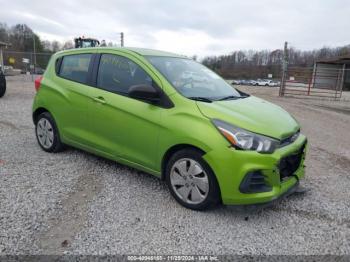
(263,82)
(258,82)
(10,71)
(274,83)
(236,82)
(245,82)
(253,82)
(210,142)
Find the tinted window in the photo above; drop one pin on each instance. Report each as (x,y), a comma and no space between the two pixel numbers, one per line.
(75,67)
(58,64)
(116,74)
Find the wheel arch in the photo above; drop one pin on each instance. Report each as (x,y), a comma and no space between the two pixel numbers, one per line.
(37,112)
(175,148)
(172,150)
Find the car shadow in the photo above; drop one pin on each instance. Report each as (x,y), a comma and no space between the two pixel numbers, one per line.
(150,181)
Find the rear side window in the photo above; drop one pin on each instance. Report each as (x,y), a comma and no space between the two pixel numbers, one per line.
(117,74)
(75,67)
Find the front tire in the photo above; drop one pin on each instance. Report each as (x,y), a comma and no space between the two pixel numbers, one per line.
(191,181)
(47,133)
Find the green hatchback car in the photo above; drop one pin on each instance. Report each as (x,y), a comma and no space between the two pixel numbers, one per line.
(172,117)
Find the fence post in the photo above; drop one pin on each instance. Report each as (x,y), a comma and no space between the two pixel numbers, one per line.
(30,68)
(284,69)
(341,86)
(312,79)
(2,60)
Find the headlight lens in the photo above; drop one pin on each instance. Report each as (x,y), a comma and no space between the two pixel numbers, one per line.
(244,139)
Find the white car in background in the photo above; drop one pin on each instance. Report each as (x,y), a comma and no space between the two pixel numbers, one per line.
(263,82)
(253,82)
(274,83)
(10,71)
(235,82)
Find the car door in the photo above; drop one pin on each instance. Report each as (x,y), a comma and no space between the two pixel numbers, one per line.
(124,127)
(72,97)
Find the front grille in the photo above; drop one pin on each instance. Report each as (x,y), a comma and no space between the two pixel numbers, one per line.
(254,182)
(290,164)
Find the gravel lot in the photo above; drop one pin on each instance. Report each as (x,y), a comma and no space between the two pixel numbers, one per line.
(75,202)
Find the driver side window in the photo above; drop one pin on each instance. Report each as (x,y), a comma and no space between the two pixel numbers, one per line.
(117,74)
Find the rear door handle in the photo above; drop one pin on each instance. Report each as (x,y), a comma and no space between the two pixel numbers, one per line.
(99,99)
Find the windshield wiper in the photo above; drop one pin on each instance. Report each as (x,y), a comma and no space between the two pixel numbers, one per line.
(231,98)
(199,98)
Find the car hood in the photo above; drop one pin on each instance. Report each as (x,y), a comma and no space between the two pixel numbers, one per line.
(253,114)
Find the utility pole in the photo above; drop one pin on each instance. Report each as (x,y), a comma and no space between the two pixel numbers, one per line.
(34,49)
(122,39)
(284,69)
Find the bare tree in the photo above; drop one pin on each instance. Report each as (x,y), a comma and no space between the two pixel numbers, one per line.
(258,64)
(68,45)
(55,46)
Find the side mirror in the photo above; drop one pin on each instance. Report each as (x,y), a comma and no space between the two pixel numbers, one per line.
(144,92)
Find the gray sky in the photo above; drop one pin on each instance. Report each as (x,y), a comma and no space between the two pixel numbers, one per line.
(189,26)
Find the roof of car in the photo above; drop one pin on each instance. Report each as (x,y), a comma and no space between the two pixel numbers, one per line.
(140,51)
(152,52)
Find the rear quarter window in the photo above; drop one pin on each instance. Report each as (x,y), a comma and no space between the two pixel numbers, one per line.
(75,67)
(58,65)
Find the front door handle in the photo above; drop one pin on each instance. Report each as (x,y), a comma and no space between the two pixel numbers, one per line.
(99,99)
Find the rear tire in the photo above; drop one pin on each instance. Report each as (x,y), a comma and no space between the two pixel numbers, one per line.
(47,133)
(191,181)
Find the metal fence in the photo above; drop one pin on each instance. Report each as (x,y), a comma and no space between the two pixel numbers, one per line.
(16,63)
(313,82)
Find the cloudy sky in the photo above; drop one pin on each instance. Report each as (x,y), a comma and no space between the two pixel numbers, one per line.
(189,27)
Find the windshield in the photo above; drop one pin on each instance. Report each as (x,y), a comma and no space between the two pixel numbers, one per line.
(192,79)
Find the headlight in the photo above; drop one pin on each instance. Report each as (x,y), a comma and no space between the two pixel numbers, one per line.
(244,139)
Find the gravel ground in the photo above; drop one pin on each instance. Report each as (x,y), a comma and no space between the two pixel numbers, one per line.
(75,202)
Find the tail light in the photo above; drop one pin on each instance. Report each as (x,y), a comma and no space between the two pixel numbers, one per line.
(37,83)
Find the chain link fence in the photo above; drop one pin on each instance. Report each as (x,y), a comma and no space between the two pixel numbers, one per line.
(25,64)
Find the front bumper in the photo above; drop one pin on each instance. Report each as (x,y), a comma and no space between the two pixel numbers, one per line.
(231,166)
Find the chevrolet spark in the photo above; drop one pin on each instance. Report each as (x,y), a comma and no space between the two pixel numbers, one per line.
(171,117)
